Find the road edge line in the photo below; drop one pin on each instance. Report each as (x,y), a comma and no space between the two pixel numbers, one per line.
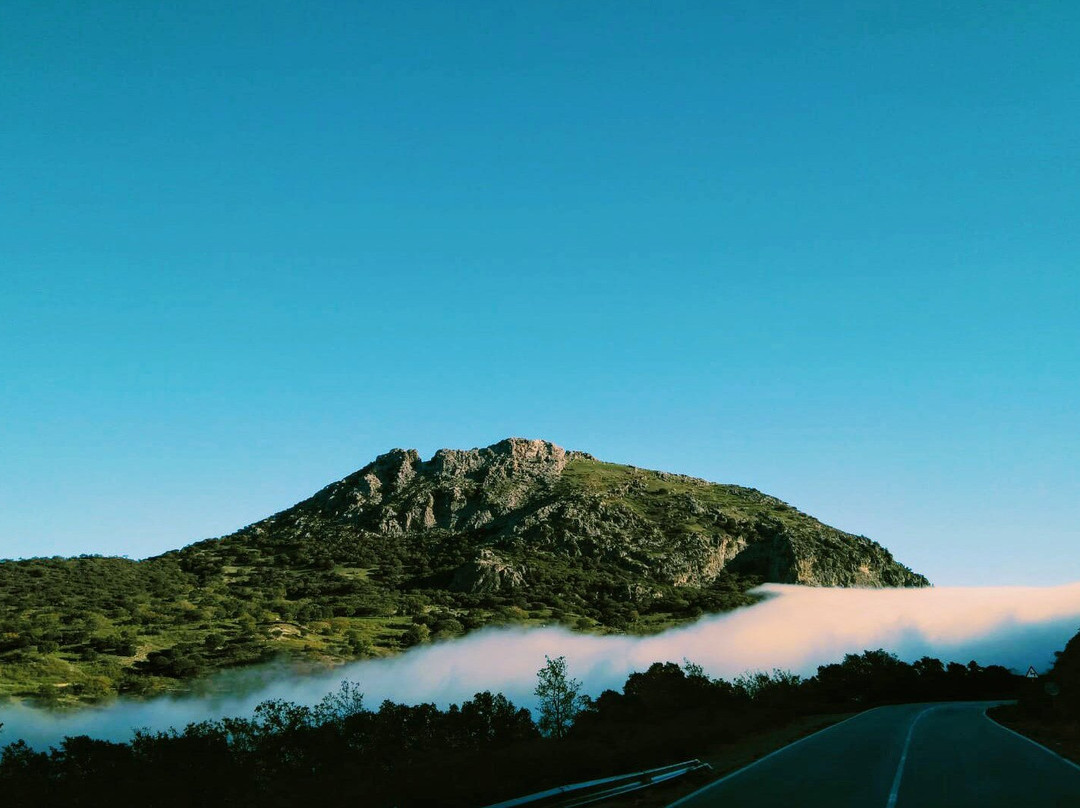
(784,748)
(999,725)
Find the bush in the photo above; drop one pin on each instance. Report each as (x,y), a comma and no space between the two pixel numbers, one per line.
(415,635)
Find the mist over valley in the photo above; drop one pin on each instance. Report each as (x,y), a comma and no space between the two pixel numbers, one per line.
(793,628)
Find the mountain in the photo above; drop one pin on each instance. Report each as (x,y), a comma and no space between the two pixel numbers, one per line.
(510,509)
(405,550)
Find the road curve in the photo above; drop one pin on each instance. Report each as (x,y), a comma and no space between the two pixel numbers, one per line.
(903,756)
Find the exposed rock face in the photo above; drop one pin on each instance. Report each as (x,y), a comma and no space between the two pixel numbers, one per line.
(488,573)
(514,510)
(456,489)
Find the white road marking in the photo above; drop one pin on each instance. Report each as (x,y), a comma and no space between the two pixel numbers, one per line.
(894,793)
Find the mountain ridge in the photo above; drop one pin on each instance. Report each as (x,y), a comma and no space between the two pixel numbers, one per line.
(520,468)
(405,550)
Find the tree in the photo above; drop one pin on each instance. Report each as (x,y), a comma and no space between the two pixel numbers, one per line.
(560,697)
(340,706)
(489,718)
(415,635)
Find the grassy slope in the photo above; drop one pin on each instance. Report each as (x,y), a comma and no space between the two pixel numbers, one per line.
(649,493)
(87,645)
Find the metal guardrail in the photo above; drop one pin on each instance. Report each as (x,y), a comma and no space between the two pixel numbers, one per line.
(590,791)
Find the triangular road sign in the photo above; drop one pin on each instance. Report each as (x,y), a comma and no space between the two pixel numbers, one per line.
(1032,673)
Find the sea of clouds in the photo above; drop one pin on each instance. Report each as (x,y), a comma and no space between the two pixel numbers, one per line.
(795,628)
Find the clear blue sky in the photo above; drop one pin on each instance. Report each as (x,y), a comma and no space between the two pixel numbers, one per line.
(829,250)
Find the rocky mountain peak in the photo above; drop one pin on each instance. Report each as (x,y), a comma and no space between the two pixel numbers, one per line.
(523,451)
(504,515)
(510,457)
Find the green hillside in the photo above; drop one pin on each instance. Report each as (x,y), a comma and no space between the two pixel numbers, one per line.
(406,551)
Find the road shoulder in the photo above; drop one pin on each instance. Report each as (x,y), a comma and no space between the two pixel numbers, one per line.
(728,758)
(1060,737)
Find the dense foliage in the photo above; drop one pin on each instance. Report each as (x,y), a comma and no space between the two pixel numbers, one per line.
(1055,697)
(87,628)
(1065,677)
(1048,709)
(339,753)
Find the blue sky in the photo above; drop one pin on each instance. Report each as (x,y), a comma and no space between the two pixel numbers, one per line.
(826,250)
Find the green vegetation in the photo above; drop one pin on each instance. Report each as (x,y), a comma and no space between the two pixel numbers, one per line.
(405,552)
(652,493)
(560,699)
(340,753)
(83,630)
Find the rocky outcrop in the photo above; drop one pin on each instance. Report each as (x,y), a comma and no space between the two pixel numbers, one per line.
(456,489)
(488,573)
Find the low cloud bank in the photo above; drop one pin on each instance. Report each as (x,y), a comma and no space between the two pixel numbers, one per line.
(795,628)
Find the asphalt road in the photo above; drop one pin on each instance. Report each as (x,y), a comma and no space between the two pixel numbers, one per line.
(903,756)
